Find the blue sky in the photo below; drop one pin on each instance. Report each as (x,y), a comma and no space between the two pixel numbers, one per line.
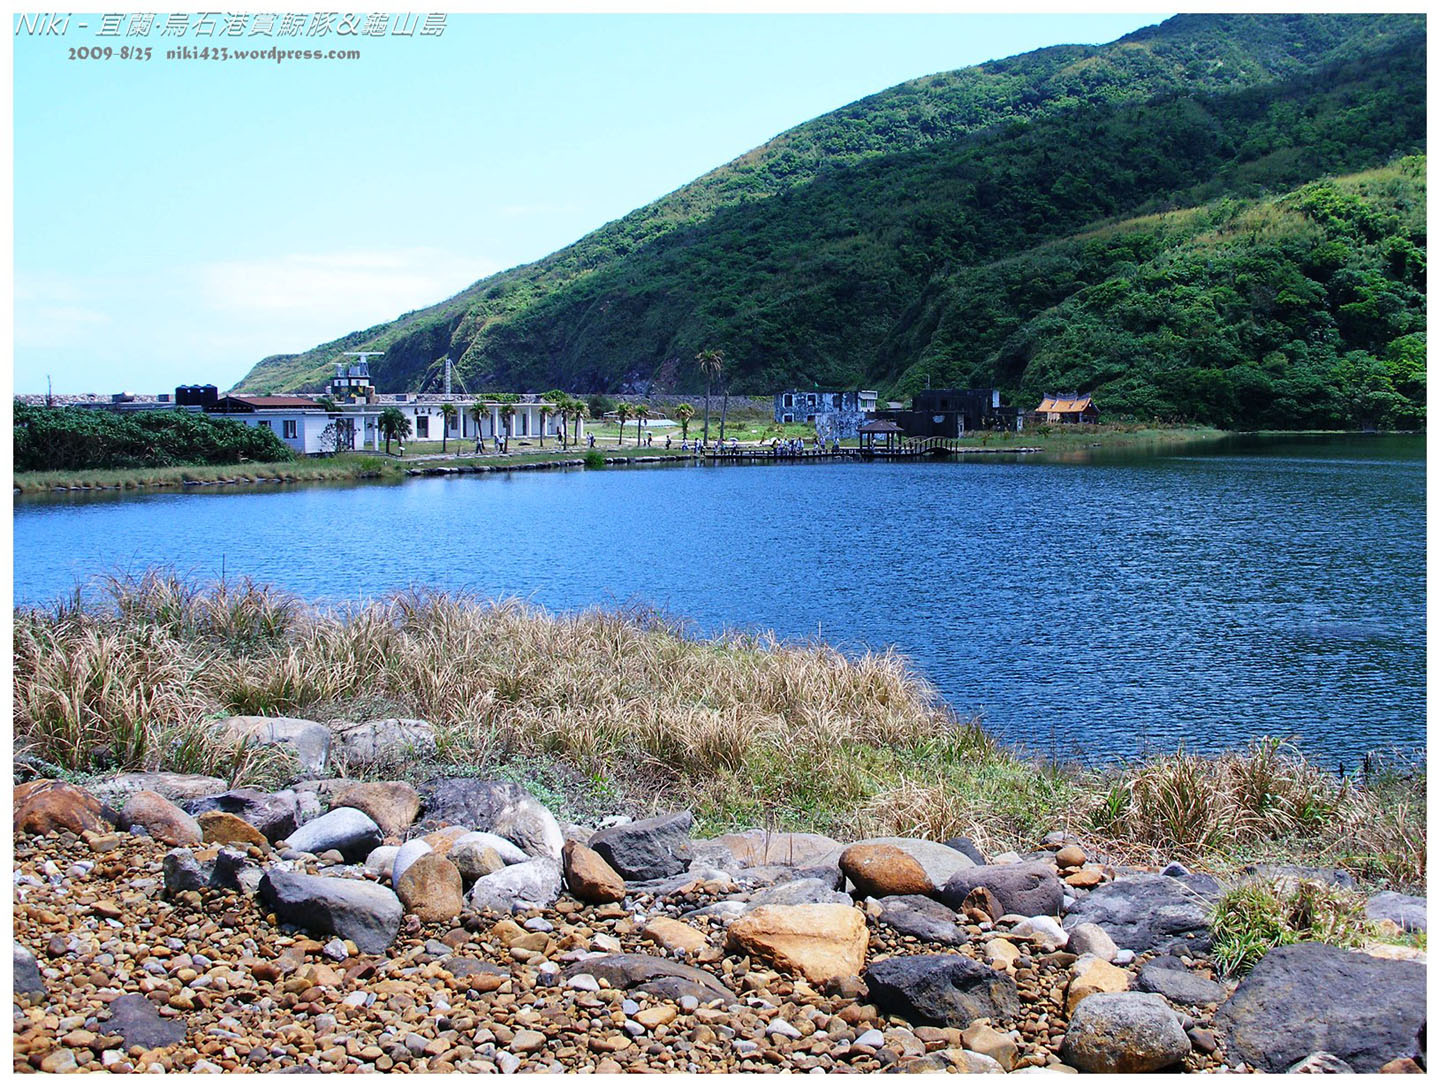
(175,220)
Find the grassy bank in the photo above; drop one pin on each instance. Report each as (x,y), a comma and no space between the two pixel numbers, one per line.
(352,466)
(1057,438)
(602,711)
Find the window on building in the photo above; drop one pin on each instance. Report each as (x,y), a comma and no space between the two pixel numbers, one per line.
(835,401)
(290,429)
(789,400)
(788,418)
(265,423)
(422,426)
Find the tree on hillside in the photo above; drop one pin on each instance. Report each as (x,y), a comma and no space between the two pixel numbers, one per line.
(448,413)
(394,425)
(684,412)
(623,411)
(712,365)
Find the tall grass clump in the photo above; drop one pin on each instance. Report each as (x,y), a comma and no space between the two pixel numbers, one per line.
(1252,919)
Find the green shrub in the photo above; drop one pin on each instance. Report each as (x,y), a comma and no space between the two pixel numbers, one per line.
(1254,918)
(594,458)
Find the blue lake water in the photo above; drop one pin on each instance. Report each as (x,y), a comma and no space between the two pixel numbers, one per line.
(1089,607)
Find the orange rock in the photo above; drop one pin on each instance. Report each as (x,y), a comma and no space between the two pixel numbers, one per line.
(164,821)
(674,935)
(432,889)
(1070,856)
(223,828)
(393,805)
(821,942)
(44,807)
(589,876)
(881,870)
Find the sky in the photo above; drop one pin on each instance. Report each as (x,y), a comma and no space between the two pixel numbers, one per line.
(177,220)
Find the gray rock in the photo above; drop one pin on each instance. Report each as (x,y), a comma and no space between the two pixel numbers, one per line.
(29,985)
(275,815)
(532,885)
(939,861)
(1029,889)
(941,990)
(968,847)
(1123,1032)
(648,848)
(175,787)
(1091,939)
(233,870)
(659,977)
(381,861)
(1175,982)
(352,909)
(389,739)
(309,740)
(799,892)
(1147,913)
(138,1022)
(1311,997)
(182,872)
(498,807)
(348,830)
(770,875)
(921,917)
(1324,1064)
(1407,911)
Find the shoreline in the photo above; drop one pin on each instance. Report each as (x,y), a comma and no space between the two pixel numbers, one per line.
(357,467)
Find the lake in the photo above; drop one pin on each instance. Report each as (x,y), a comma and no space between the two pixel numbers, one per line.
(1094,606)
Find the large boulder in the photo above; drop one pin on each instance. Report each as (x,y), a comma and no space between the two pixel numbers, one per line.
(508,851)
(533,885)
(275,815)
(589,878)
(161,819)
(352,909)
(1027,889)
(941,990)
(823,943)
(761,848)
(46,807)
(407,855)
(1407,911)
(432,889)
(386,740)
(348,830)
(923,918)
(1311,997)
(309,741)
(1124,1032)
(175,787)
(800,892)
(939,861)
(393,805)
(880,870)
(499,807)
(1148,913)
(647,848)
(222,828)
(662,978)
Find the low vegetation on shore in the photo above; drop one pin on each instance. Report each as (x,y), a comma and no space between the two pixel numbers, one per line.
(624,710)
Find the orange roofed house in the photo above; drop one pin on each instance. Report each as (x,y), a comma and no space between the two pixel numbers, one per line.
(1067,408)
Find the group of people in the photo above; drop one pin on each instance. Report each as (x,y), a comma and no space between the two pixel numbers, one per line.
(794,447)
(501,441)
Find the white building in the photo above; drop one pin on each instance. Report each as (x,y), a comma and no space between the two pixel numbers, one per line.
(311,428)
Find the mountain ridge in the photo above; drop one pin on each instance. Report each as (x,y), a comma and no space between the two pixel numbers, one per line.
(676,272)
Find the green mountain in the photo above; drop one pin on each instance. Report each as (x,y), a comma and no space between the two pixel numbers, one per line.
(1066,217)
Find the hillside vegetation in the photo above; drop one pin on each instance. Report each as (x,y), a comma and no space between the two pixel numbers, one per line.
(1159,219)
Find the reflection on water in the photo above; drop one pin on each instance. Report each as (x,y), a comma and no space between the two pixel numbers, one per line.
(1133,601)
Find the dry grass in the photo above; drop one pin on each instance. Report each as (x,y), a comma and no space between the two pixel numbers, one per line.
(744,730)
(1251,919)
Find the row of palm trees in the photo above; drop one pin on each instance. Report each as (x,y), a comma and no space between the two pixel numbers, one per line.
(395,425)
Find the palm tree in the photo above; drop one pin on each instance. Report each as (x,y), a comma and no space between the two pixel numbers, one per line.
(623,411)
(684,412)
(578,410)
(448,412)
(712,365)
(393,424)
(477,413)
(507,412)
(642,416)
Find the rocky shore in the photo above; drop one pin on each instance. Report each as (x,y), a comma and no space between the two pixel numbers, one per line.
(169,922)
